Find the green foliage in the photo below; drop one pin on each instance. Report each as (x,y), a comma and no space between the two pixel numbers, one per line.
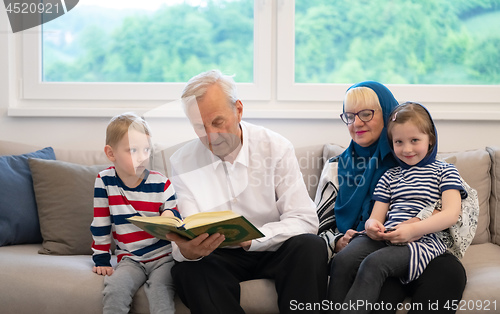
(392,41)
(402,42)
(484,59)
(170,45)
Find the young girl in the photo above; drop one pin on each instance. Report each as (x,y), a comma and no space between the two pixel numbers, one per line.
(396,242)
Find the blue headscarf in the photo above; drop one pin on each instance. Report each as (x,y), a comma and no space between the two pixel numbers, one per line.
(431,156)
(360,168)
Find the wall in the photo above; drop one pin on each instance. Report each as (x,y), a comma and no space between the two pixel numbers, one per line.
(88,133)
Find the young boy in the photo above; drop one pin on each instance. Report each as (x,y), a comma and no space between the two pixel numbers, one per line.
(121,191)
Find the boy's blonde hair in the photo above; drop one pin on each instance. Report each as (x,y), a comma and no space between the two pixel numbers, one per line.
(416,113)
(361,94)
(119,125)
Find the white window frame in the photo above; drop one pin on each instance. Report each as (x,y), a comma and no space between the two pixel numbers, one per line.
(484,99)
(35,88)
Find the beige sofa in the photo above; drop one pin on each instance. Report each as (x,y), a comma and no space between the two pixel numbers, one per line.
(31,282)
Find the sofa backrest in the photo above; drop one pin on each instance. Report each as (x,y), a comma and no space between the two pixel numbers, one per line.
(311,163)
(480,169)
(81,157)
(474,167)
(495,194)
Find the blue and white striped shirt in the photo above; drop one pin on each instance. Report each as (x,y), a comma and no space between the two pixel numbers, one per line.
(408,191)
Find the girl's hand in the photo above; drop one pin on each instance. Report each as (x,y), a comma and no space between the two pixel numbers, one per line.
(403,233)
(103,270)
(375,229)
(412,220)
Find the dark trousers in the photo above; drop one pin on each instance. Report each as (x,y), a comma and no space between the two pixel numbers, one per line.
(211,285)
(442,281)
(359,271)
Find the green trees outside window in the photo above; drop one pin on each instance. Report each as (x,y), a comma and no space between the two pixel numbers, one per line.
(394,41)
(398,41)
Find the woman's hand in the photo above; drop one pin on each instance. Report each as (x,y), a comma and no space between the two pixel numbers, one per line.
(342,242)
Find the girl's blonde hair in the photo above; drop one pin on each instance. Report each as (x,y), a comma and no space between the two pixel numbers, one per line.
(418,115)
(119,125)
(361,95)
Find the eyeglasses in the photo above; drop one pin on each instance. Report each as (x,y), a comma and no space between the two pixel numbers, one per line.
(363,115)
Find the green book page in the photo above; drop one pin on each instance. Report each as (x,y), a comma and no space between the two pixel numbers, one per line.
(159,227)
(236,229)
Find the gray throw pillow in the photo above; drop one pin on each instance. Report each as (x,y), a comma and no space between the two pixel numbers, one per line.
(64,194)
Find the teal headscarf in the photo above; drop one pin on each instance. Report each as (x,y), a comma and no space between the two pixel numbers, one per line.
(360,168)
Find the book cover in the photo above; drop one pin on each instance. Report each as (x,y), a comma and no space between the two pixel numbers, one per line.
(234,227)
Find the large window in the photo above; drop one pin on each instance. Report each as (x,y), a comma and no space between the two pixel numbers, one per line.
(444,51)
(147,50)
(451,42)
(149,41)
(290,58)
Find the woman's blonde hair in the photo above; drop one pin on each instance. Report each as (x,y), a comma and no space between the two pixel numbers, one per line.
(361,94)
(119,125)
(418,115)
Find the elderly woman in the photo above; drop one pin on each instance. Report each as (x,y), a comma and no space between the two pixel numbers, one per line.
(345,202)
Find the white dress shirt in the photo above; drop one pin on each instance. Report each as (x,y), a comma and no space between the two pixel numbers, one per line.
(264,184)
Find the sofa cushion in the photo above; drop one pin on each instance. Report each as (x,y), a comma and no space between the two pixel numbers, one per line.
(482,264)
(474,167)
(495,195)
(311,163)
(18,211)
(332,150)
(64,194)
(82,157)
(160,159)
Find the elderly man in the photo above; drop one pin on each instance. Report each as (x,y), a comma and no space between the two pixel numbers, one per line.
(254,172)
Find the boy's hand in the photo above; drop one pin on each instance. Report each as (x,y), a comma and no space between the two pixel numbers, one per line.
(103,270)
(167,213)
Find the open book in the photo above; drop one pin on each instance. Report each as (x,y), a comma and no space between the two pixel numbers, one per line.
(234,227)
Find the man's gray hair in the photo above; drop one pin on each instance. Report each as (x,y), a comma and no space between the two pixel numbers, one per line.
(197,86)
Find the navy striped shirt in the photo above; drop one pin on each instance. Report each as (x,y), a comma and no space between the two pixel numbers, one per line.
(408,191)
(114,202)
